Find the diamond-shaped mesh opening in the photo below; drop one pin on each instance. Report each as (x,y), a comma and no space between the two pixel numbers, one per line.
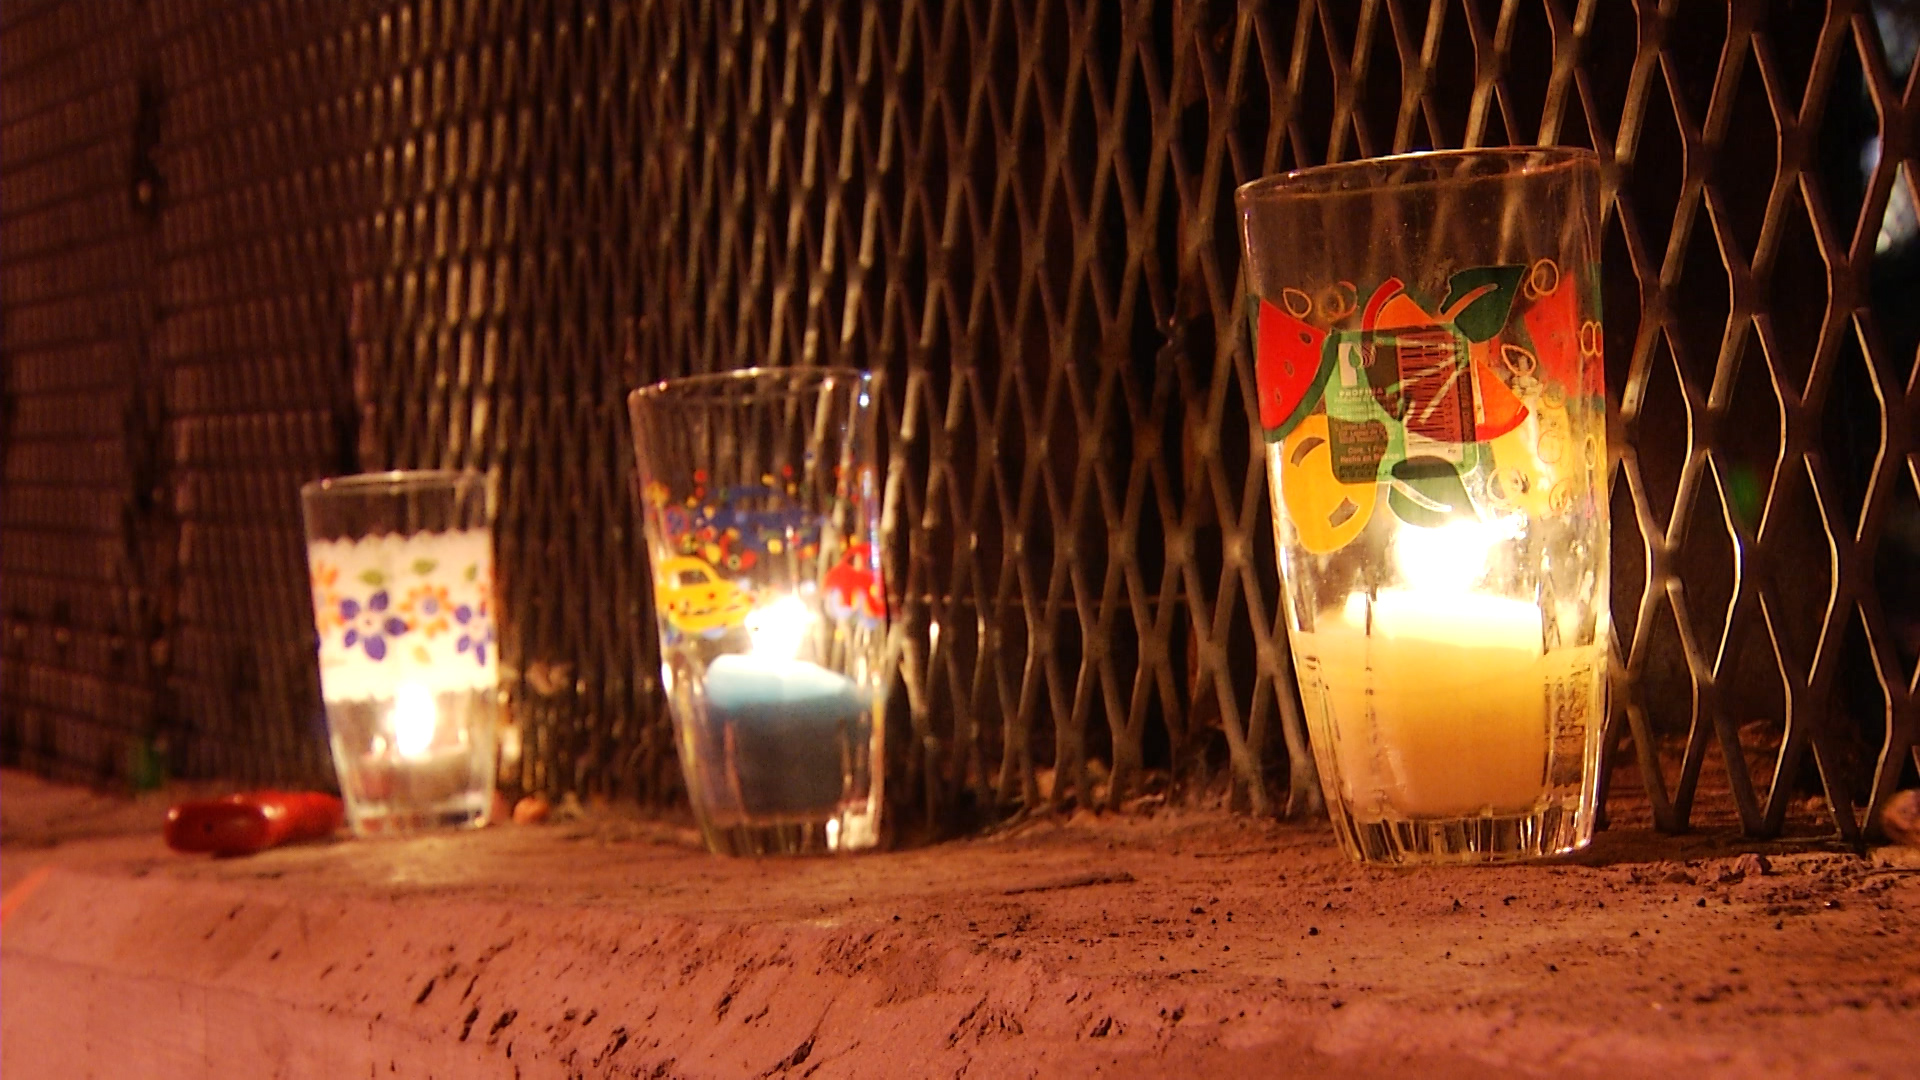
(1658,152)
(1610,54)
(1896,577)
(1753,696)
(1629,555)
(1694,30)
(1698,340)
(1445,72)
(251,242)
(1799,298)
(1863,702)
(1663,706)
(1750,432)
(1740,210)
(1798,570)
(1851,429)
(1793,46)
(1620,267)
(1705,565)
(1662,431)
(1848,122)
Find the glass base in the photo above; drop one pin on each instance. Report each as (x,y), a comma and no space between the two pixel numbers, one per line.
(848,832)
(445,784)
(1482,839)
(466,813)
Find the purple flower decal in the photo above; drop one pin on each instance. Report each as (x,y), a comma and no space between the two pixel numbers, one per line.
(476,630)
(369,627)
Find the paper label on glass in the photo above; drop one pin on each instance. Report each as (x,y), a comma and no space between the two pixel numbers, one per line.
(404,609)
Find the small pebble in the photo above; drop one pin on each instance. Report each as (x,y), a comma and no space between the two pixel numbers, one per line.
(1901,819)
(531,810)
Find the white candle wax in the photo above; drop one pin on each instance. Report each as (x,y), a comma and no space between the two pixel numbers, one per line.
(1441,710)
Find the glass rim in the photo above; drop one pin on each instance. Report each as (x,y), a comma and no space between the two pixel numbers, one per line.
(688,385)
(1367,174)
(390,482)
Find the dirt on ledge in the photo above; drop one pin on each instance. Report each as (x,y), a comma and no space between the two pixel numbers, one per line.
(1139,945)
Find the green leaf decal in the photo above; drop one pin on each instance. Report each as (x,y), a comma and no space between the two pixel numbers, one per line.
(423,567)
(1487,293)
(373,577)
(1427,492)
(473,572)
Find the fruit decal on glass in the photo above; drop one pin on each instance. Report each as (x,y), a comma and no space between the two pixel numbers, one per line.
(1327,511)
(1425,405)
(853,589)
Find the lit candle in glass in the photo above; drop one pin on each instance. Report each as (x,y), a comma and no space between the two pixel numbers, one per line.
(1429,383)
(1439,692)
(761,496)
(413,720)
(402,572)
(786,720)
(421,757)
(1438,709)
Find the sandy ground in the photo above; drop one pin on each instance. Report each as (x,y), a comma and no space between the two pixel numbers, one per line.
(1148,945)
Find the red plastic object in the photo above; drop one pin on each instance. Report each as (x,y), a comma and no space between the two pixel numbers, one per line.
(251,821)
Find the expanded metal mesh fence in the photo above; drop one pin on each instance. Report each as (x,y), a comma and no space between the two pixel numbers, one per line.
(245,243)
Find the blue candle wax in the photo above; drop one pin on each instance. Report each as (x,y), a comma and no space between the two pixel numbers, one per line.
(789,728)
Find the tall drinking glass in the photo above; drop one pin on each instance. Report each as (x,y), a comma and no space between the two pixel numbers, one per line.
(762,508)
(1427,334)
(401,565)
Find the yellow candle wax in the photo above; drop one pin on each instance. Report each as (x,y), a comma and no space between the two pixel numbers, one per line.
(1441,710)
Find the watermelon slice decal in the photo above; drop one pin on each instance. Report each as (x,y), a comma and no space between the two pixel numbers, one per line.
(1291,369)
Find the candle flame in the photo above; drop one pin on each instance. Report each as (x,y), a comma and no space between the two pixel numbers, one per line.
(1451,558)
(780,629)
(413,720)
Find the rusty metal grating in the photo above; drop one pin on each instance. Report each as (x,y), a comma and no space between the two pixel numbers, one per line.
(250,242)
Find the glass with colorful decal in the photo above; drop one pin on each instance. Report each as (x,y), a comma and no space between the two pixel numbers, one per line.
(761,498)
(1427,351)
(401,565)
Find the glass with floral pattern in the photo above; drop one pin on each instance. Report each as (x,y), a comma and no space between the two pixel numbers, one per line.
(1427,352)
(761,501)
(401,565)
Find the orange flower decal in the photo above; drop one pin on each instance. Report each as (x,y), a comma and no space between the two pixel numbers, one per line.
(326,598)
(426,608)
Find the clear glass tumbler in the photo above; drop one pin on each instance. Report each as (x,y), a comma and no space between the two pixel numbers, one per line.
(1427,343)
(401,565)
(762,499)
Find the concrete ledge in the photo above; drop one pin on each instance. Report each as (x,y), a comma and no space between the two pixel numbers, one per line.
(1140,947)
